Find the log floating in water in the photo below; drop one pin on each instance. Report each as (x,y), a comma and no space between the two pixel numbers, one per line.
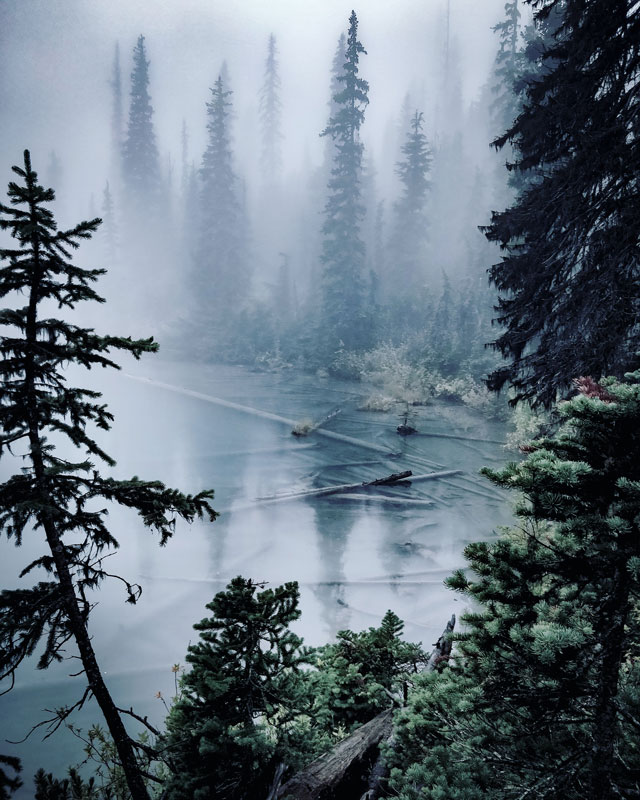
(256,412)
(304,430)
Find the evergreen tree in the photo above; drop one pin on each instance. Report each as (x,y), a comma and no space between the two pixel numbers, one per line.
(407,242)
(271,116)
(568,282)
(507,68)
(543,694)
(222,268)
(110,234)
(356,674)
(62,499)
(343,251)
(335,88)
(140,160)
(227,730)
(116,115)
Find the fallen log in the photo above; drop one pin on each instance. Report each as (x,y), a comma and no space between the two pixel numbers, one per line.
(304,429)
(256,412)
(340,772)
(393,478)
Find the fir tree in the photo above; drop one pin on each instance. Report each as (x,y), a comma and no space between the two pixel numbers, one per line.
(568,280)
(543,694)
(271,116)
(507,68)
(140,160)
(64,500)
(407,243)
(227,730)
(343,251)
(222,269)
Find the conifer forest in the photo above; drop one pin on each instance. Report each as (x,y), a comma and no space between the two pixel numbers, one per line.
(320,400)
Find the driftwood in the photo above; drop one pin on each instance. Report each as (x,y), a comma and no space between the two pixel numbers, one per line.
(305,430)
(256,412)
(393,478)
(339,773)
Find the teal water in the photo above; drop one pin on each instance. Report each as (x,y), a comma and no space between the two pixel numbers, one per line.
(355,556)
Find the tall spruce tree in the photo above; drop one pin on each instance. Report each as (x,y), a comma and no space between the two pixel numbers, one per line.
(407,242)
(271,116)
(222,267)
(568,280)
(343,251)
(140,159)
(63,500)
(543,693)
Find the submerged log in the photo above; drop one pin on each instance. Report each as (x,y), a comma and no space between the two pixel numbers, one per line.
(356,762)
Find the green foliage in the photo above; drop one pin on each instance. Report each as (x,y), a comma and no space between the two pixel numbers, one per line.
(66,500)
(541,699)
(357,674)
(232,723)
(568,279)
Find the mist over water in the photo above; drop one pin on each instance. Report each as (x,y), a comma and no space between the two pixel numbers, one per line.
(354,556)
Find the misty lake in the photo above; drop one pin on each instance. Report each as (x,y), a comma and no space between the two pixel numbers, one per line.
(355,555)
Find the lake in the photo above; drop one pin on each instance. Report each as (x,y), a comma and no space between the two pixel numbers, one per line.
(355,554)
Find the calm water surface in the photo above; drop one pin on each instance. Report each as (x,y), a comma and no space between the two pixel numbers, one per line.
(355,556)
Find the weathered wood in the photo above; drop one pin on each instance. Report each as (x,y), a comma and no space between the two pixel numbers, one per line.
(256,412)
(336,773)
(305,430)
(393,478)
(341,772)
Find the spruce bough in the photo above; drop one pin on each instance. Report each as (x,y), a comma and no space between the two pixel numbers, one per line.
(63,499)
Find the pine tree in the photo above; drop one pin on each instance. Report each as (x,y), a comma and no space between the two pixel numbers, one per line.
(271,116)
(64,500)
(222,268)
(407,242)
(343,251)
(227,730)
(543,695)
(568,280)
(140,159)
(8,784)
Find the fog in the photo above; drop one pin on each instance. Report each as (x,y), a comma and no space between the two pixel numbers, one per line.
(238,276)
(57,62)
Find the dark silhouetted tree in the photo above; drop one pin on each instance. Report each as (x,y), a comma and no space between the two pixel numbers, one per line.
(63,502)
(568,281)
